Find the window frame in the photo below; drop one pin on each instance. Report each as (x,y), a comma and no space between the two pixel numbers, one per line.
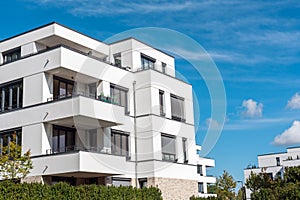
(167,156)
(145,59)
(114,87)
(173,116)
(67,83)
(7,94)
(114,146)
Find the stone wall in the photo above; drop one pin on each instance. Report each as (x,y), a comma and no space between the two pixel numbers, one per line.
(175,189)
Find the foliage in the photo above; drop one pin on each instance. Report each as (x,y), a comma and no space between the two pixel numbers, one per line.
(263,187)
(14,165)
(225,186)
(64,191)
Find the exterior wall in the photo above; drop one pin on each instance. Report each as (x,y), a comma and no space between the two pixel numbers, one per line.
(268,164)
(85,113)
(174,188)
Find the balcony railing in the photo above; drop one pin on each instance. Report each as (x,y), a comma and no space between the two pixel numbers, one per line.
(75,148)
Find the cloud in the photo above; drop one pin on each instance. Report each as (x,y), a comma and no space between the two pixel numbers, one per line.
(213,124)
(294,102)
(252,108)
(289,136)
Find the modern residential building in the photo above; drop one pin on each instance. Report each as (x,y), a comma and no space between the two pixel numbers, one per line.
(274,164)
(91,112)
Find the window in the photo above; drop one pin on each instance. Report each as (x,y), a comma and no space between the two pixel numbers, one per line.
(277,161)
(118,61)
(184,147)
(63,139)
(199,170)
(12,55)
(168,147)
(161,103)
(119,143)
(11,95)
(143,182)
(93,90)
(62,88)
(147,62)
(7,136)
(121,181)
(119,96)
(163,67)
(177,107)
(93,139)
(200,188)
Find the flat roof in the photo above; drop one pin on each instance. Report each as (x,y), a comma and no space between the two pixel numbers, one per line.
(52,23)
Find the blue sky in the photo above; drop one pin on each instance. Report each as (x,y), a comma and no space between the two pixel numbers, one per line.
(255,45)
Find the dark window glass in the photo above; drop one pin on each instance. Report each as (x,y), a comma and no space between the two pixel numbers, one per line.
(119,143)
(168,147)
(199,170)
(11,95)
(7,136)
(12,55)
(63,139)
(161,103)
(147,62)
(118,61)
(177,108)
(277,161)
(119,96)
(200,188)
(62,88)
(163,65)
(184,147)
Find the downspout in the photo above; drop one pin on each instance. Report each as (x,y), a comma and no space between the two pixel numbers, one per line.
(135,135)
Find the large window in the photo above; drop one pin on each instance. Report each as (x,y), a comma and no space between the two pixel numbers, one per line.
(62,88)
(177,107)
(11,95)
(12,55)
(7,136)
(119,96)
(63,139)
(119,143)
(168,147)
(147,62)
(162,103)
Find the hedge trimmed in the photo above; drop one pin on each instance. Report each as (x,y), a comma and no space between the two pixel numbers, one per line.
(64,191)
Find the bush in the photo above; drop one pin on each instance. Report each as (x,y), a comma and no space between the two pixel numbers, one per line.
(203,198)
(64,191)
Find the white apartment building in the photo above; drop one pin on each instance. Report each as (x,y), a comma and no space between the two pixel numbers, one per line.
(274,164)
(91,112)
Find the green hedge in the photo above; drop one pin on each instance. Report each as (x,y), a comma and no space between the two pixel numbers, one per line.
(204,198)
(64,191)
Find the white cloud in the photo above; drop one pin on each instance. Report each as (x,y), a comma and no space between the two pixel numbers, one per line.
(294,102)
(252,108)
(289,136)
(213,124)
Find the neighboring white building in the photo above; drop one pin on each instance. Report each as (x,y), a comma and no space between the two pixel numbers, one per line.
(90,112)
(274,164)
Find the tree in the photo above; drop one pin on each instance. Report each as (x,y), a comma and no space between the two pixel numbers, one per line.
(263,187)
(225,186)
(14,165)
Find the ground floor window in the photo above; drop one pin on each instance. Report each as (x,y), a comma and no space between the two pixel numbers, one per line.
(7,136)
(121,181)
(200,188)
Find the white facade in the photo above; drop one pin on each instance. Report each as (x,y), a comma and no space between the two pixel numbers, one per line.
(274,164)
(100,113)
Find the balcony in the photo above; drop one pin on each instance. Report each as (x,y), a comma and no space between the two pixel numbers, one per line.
(75,109)
(76,163)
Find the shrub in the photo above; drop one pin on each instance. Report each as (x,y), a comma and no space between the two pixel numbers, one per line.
(64,191)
